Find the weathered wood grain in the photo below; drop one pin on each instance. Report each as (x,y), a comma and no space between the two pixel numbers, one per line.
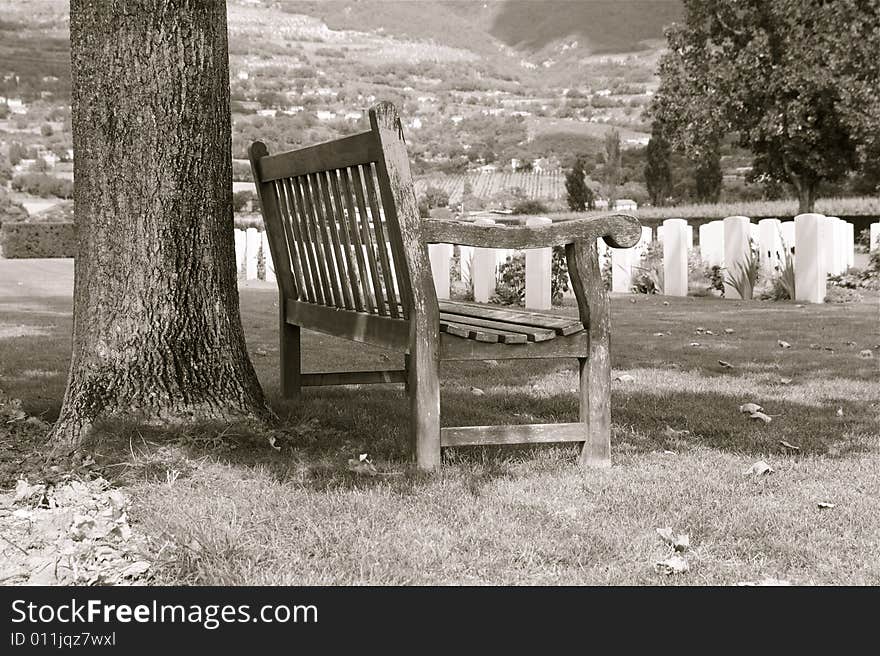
(559,324)
(618,230)
(511,434)
(339,153)
(353,377)
(385,332)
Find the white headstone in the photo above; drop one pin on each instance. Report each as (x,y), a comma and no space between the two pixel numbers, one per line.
(690,238)
(849,241)
(809,270)
(538,271)
(440,256)
(660,234)
(622,262)
(240,249)
(712,243)
(737,231)
(483,269)
(252,247)
(754,232)
(788,235)
(645,241)
(833,232)
(770,244)
(267,259)
(675,270)
(874,237)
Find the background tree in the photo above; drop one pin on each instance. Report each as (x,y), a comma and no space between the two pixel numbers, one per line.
(707,175)
(157,335)
(796,81)
(578,194)
(611,164)
(658,172)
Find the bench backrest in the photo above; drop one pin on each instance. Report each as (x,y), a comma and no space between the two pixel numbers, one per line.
(342,220)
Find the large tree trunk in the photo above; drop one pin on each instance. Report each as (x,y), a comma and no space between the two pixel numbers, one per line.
(806,196)
(157,332)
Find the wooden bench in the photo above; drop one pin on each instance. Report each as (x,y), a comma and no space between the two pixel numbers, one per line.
(351,260)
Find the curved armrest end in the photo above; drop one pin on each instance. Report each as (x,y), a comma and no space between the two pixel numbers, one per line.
(623,230)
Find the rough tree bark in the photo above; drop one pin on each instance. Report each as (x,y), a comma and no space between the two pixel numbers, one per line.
(157,334)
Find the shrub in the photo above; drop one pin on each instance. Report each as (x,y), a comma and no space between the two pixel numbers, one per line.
(842,295)
(744,275)
(42,185)
(510,288)
(529,206)
(27,240)
(648,278)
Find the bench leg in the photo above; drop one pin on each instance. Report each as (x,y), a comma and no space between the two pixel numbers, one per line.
(290,360)
(595,408)
(424,406)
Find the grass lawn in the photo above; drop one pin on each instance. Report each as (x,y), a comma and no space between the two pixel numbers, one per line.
(232,510)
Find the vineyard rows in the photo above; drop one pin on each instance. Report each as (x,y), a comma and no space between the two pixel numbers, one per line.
(544,186)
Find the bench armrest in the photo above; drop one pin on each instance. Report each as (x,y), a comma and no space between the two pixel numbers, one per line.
(618,230)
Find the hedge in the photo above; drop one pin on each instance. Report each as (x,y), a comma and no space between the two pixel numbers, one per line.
(24,240)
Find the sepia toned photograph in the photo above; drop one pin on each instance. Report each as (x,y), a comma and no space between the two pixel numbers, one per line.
(423,293)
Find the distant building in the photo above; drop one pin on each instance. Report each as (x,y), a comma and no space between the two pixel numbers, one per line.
(16,106)
(242,75)
(457,119)
(267,112)
(489,168)
(293,109)
(416,123)
(353,116)
(325,116)
(603,93)
(625,204)
(639,141)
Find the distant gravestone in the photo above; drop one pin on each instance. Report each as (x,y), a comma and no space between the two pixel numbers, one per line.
(240,249)
(874,237)
(252,246)
(675,271)
(622,262)
(440,256)
(810,262)
(770,244)
(690,238)
(269,265)
(737,231)
(850,242)
(538,271)
(788,235)
(712,243)
(483,269)
(835,249)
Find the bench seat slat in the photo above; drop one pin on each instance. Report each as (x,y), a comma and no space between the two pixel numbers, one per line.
(530,333)
(560,325)
(512,434)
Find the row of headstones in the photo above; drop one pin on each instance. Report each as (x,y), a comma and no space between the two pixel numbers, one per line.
(250,244)
(825,246)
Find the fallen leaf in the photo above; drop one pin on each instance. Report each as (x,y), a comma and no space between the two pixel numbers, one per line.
(866,353)
(815,346)
(789,446)
(658,334)
(671,432)
(783,344)
(669,453)
(261,352)
(750,408)
(476,391)
(709,332)
(728,331)
(625,378)
(135,570)
(679,542)
(726,365)
(840,412)
(694,344)
(272,443)
(759,468)
(760,415)
(825,505)
(785,381)
(665,302)
(673,565)
(362,467)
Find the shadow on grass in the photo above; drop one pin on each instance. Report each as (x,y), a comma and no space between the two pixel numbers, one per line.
(318,434)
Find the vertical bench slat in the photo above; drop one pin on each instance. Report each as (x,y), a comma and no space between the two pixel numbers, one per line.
(375,279)
(301,242)
(289,221)
(401,273)
(313,243)
(364,274)
(305,247)
(346,241)
(330,218)
(381,242)
(314,201)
